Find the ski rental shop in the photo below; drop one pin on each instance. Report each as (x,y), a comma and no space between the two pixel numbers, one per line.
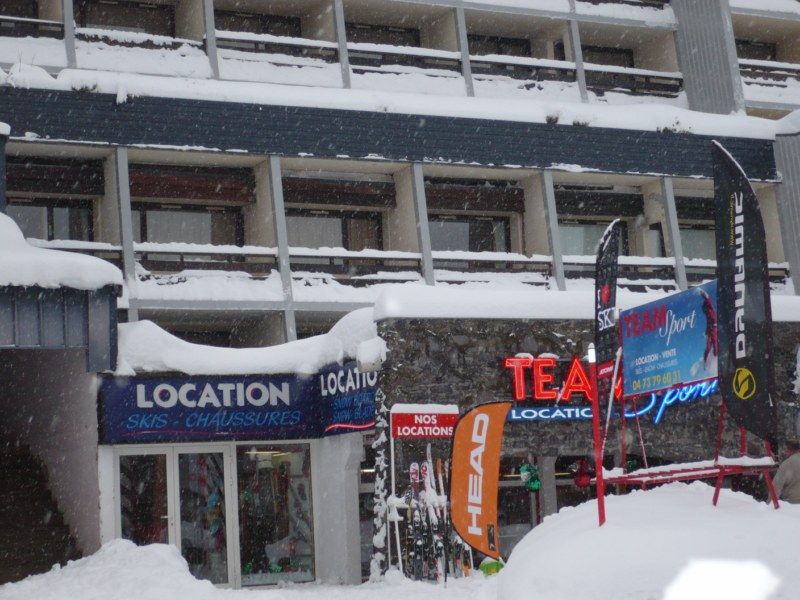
(253,477)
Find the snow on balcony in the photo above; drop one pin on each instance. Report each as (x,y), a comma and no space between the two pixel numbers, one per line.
(649,11)
(777,6)
(770,81)
(278,59)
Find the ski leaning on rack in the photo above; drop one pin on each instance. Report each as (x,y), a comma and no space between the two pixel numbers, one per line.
(416,558)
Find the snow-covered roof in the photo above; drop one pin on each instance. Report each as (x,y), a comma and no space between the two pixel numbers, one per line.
(24,265)
(4,129)
(642,117)
(433,302)
(146,348)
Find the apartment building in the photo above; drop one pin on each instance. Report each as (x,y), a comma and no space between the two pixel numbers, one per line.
(259,168)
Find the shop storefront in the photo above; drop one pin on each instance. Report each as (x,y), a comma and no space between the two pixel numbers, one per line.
(235,471)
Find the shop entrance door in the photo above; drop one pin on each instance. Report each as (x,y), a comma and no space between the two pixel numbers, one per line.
(181,495)
(203,510)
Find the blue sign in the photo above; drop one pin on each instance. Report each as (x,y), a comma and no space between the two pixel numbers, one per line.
(670,342)
(656,405)
(182,409)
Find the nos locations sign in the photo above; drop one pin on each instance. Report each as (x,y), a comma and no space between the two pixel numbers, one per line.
(182,409)
(671,341)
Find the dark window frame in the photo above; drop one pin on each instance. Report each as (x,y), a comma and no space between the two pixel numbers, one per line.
(770,47)
(627,52)
(169,9)
(291,22)
(143,207)
(413,32)
(500,43)
(505,219)
(51,204)
(343,216)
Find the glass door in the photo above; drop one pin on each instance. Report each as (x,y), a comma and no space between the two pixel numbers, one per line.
(144,482)
(203,512)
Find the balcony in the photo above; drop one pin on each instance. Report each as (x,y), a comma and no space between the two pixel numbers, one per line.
(21,27)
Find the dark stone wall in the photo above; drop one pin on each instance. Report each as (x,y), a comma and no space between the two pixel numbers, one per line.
(460,361)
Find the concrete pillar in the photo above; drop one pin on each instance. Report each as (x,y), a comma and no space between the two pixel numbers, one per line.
(117,176)
(259,218)
(707,56)
(208,29)
(768,202)
(787,159)
(440,33)
(51,10)
(400,230)
(463,47)
(105,209)
(547,475)
(68,14)
(190,19)
(341,40)
(576,50)
(335,469)
(3,137)
(537,237)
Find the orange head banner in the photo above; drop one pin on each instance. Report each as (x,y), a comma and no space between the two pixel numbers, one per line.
(477,442)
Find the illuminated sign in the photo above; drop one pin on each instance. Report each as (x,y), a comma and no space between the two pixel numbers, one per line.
(656,405)
(541,372)
(684,394)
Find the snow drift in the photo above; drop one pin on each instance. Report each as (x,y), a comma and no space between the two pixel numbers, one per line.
(668,543)
(25,265)
(146,348)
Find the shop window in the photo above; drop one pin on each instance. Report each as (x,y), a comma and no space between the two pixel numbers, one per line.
(472,234)
(382,34)
(613,57)
(143,499)
(141,17)
(514,517)
(189,224)
(491,44)
(751,50)
(253,23)
(52,221)
(698,241)
(580,237)
(334,229)
(275,514)
(19,8)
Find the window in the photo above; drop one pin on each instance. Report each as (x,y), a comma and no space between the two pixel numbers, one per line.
(750,50)
(698,242)
(52,221)
(142,17)
(19,8)
(253,23)
(580,237)
(194,225)
(490,44)
(614,57)
(382,34)
(334,229)
(472,234)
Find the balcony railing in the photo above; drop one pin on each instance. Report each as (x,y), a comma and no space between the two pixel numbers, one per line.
(524,68)
(23,27)
(765,72)
(370,58)
(364,268)
(640,3)
(278,45)
(133,39)
(606,78)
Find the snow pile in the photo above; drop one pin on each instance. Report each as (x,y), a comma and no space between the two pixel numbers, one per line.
(668,543)
(146,348)
(4,128)
(122,571)
(24,265)
(439,302)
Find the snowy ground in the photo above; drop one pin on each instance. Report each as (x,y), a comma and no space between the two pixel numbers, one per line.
(665,544)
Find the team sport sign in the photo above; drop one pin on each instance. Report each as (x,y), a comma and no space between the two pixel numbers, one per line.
(423,421)
(670,342)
